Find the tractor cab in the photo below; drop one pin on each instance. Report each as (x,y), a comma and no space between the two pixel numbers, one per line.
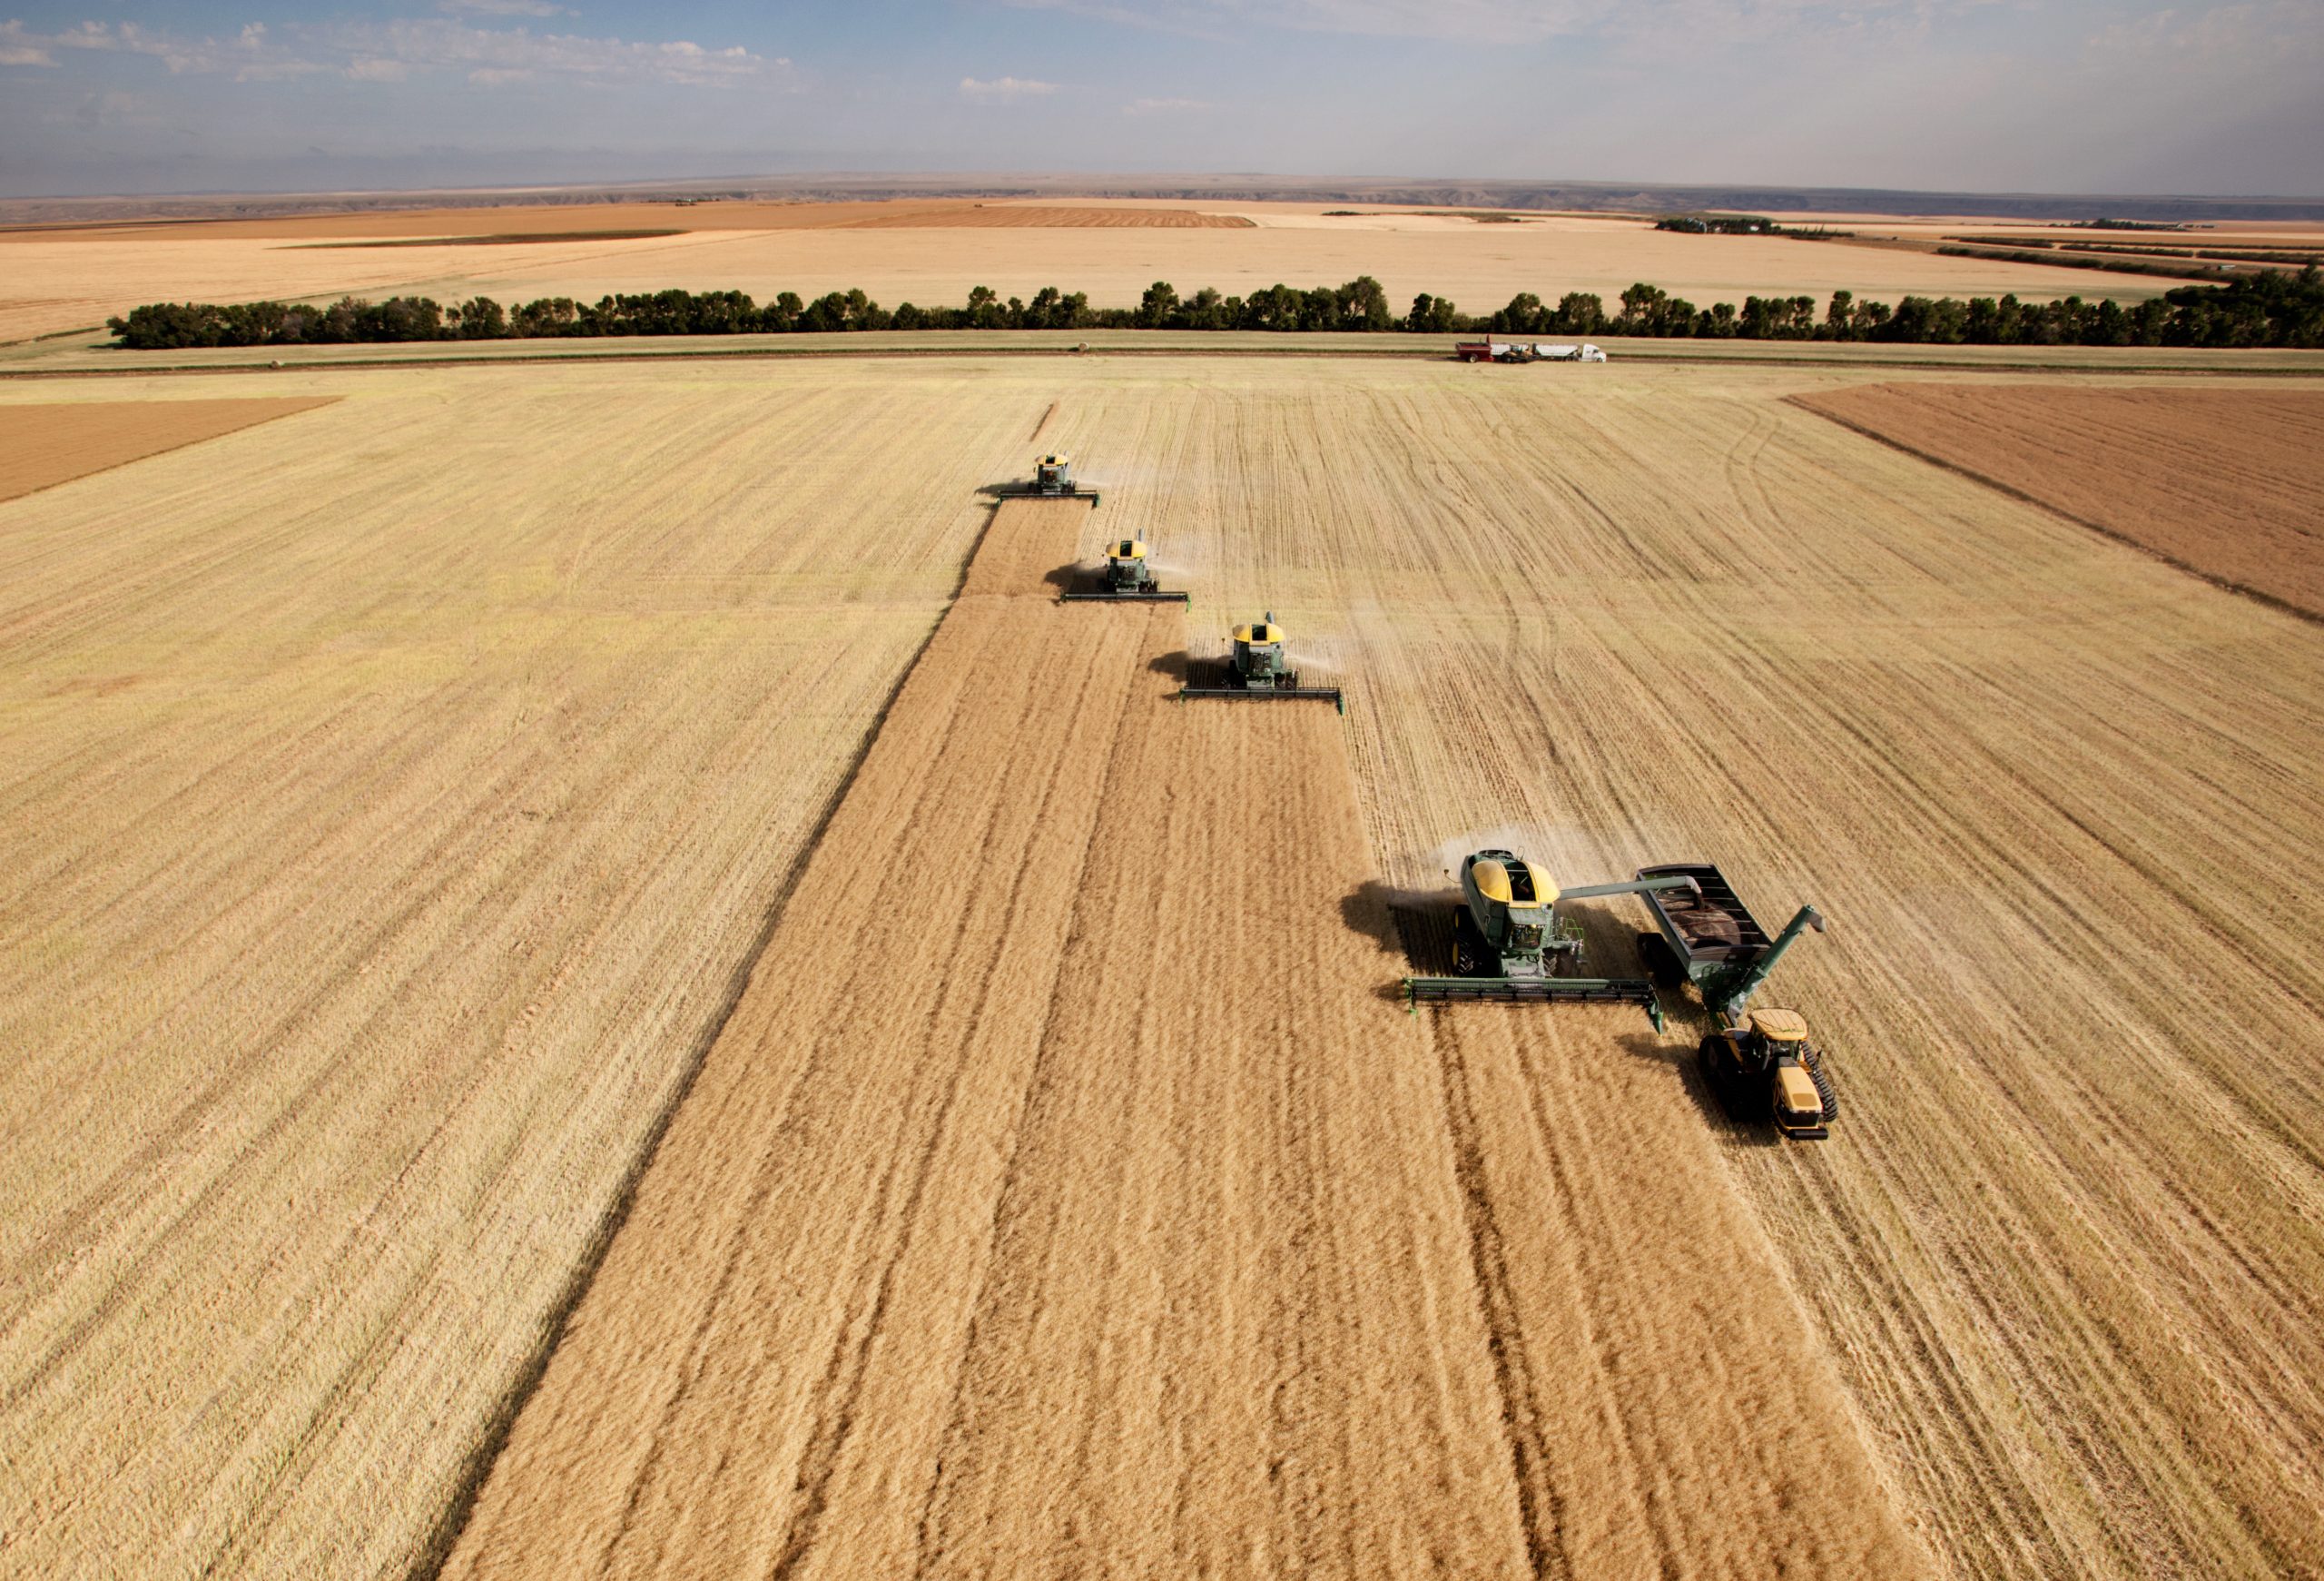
(1053,475)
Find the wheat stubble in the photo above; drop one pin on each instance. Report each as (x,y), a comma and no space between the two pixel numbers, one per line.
(1067,1195)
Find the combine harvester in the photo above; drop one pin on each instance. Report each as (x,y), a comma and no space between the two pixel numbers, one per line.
(1127,579)
(1052,479)
(1258,672)
(1758,1062)
(1510,946)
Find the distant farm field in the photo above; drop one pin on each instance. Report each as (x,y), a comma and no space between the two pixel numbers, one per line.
(933,252)
(404,796)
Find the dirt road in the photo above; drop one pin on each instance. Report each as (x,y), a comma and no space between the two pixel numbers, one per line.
(1068,1194)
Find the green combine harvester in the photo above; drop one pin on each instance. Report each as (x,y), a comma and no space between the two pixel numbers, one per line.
(1127,579)
(1257,671)
(1759,1063)
(1052,479)
(1510,947)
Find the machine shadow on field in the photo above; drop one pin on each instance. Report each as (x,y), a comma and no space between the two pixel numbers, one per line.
(1679,1060)
(1175,667)
(1416,928)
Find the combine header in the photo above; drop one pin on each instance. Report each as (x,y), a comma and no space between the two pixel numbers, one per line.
(1052,479)
(1127,579)
(1257,671)
(1758,1062)
(1510,946)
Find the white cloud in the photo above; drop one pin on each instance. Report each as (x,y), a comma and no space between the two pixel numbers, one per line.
(489,55)
(1004,90)
(1508,21)
(1166,106)
(389,52)
(20,48)
(501,8)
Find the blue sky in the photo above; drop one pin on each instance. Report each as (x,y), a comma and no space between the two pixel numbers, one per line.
(1967,94)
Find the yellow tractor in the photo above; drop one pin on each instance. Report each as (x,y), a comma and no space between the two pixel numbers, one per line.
(1764,1066)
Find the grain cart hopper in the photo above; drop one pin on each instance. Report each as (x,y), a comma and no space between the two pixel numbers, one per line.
(1758,1062)
(1510,946)
(1053,480)
(1127,578)
(1257,670)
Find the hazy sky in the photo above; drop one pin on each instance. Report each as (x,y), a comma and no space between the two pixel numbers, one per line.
(2062,95)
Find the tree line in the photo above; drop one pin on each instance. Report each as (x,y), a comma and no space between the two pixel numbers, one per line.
(2276,308)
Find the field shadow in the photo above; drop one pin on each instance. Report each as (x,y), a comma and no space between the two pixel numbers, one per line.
(1678,1059)
(1069,578)
(1415,931)
(1175,667)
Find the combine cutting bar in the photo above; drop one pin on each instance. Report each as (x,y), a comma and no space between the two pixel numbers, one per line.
(1535,990)
(1263,694)
(1124,598)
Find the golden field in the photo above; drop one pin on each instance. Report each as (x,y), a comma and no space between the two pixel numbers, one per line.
(1124,1224)
(1066,1190)
(62,279)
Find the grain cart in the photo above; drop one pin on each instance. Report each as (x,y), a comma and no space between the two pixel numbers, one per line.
(1758,1062)
(1510,946)
(1127,578)
(1257,670)
(1052,479)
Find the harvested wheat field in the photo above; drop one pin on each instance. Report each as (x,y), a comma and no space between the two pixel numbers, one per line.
(41,446)
(2065,1241)
(1065,1196)
(391,797)
(1066,1190)
(2226,483)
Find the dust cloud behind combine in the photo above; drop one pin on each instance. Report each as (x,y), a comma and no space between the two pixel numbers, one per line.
(1068,1192)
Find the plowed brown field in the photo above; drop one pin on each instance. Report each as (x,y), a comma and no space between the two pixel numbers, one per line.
(1066,1197)
(41,446)
(2227,483)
